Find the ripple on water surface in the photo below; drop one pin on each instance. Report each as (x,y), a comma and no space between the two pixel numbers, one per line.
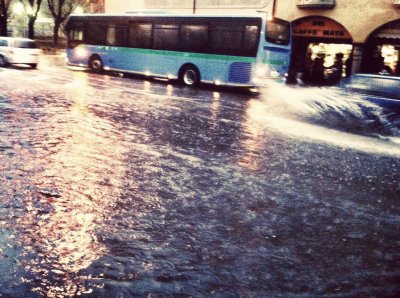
(132,197)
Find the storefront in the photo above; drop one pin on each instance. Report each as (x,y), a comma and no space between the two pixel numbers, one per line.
(382,50)
(322,40)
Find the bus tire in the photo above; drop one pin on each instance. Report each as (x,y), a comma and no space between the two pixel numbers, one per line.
(190,75)
(96,64)
(3,61)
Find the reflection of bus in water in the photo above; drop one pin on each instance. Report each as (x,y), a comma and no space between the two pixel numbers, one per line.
(226,50)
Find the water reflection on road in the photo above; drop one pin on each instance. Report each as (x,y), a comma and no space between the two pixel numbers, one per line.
(117,187)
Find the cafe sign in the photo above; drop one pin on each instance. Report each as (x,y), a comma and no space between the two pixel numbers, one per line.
(320,28)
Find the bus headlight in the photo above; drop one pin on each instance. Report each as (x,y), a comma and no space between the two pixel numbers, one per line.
(81,52)
(261,70)
(274,73)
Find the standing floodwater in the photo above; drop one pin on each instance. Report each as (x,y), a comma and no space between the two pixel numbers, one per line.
(115,187)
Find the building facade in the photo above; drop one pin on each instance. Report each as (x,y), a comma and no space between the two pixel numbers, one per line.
(365,32)
(96,6)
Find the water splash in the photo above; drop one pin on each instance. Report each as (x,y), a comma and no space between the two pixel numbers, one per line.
(336,108)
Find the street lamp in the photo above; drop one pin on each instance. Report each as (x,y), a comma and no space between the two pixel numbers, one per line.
(194,6)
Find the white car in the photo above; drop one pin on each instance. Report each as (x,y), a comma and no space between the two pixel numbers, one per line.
(14,50)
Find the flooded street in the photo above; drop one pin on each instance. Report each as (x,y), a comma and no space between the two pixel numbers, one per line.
(123,187)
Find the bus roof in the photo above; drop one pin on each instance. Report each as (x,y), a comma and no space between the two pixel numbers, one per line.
(161,14)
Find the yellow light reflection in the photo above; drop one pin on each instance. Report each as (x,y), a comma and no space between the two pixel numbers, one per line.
(170,90)
(147,86)
(81,178)
(252,136)
(215,106)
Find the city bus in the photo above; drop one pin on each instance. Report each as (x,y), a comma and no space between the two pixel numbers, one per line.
(221,50)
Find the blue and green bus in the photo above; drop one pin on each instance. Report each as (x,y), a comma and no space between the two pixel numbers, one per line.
(222,50)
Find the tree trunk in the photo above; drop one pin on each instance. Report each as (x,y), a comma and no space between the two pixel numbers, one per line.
(3,26)
(56,30)
(31,28)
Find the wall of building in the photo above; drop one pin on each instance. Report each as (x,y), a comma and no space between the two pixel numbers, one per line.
(359,17)
(121,6)
(187,6)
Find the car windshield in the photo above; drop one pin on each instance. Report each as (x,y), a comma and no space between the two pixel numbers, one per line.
(27,44)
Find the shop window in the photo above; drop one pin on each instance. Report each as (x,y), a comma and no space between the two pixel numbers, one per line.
(390,57)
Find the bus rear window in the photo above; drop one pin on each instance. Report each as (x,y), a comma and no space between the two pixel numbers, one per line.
(278,31)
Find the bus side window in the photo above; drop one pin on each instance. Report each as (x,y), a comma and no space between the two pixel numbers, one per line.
(75,35)
(140,35)
(226,38)
(117,36)
(96,34)
(166,37)
(194,38)
(251,39)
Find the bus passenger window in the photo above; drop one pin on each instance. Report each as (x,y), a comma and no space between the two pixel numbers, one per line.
(166,37)
(250,38)
(96,34)
(140,35)
(226,39)
(194,37)
(76,34)
(117,36)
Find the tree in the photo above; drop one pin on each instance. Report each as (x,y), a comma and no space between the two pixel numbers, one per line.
(32,8)
(60,11)
(4,14)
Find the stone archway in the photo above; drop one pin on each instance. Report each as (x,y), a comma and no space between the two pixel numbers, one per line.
(382,49)
(314,35)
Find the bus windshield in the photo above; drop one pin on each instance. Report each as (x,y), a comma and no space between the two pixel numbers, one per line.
(278,31)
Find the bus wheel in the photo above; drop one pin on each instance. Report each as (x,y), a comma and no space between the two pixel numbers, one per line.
(190,76)
(95,64)
(3,61)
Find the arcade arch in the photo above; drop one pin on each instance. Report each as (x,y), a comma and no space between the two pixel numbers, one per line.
(315,38)
(382,50)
